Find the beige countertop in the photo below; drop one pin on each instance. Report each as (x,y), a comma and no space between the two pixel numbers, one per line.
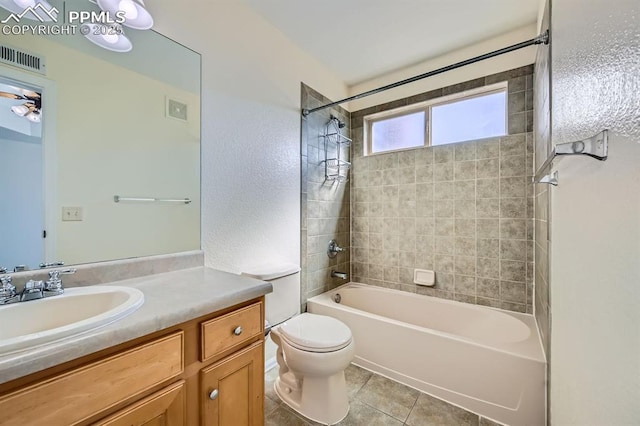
(169,299)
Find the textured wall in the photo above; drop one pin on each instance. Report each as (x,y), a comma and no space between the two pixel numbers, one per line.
(325,205)
(463,210)
(251,77)
(595,231)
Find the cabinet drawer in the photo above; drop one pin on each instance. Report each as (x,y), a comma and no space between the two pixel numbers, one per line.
(84,392)
(230,330)
(167,407)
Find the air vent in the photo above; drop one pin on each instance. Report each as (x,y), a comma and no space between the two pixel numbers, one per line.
(21,59)
(177,110)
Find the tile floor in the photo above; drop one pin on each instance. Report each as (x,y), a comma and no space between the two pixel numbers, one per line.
(376,401)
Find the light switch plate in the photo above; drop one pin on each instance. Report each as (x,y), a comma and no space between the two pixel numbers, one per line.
(72,214)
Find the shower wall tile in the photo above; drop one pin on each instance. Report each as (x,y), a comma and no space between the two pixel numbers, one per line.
(540,146)
(327,211)
(460,209)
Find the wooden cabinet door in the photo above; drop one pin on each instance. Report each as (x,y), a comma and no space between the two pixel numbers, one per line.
(163,408)
(233,389)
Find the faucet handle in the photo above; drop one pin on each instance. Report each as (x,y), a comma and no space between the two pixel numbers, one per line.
(6,284)
(53,286)
(7,290)
(55,275)
(334,249)
(49,265)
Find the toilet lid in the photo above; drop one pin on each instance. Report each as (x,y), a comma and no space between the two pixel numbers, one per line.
(316,333)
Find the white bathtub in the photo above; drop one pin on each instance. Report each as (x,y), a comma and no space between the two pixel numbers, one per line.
(485,360)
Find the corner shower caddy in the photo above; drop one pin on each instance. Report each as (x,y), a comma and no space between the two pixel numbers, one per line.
(336,169)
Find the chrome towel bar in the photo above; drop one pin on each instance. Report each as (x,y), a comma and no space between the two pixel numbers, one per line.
(596,147)
(118,198)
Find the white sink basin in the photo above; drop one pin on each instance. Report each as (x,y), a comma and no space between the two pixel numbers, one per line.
(26,325)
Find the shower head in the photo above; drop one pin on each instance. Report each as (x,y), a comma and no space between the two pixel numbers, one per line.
(341,124)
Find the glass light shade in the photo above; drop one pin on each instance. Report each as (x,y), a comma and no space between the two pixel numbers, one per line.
(25,3)
(20,110)
(114,42)
(129,8)
(34,117)
(142,20)
(110,38)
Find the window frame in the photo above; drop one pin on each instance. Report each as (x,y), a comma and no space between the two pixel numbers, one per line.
(426,107)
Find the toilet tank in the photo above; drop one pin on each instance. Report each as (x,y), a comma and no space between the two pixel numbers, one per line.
(284,301)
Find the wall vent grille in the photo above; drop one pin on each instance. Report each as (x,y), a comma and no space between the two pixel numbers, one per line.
(22,59)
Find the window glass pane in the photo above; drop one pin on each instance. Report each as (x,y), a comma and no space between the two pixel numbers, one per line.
(476,118)
(406,131)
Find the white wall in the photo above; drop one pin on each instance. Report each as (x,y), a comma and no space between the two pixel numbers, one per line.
(595,235)
(495,65)
(251,128)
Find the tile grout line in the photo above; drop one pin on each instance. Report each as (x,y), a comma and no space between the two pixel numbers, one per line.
(411,411)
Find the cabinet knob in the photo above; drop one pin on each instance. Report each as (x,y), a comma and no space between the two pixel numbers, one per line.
(238,331)
(214,394)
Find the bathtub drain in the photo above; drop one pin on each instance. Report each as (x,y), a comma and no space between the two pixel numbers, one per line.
(337,298)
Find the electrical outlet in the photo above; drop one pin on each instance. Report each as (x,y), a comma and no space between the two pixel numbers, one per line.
(72,214)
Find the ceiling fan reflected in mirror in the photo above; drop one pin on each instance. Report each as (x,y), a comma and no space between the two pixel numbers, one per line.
(30,109)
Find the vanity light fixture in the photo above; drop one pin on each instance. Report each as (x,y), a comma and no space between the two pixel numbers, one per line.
(136,16)
(28,111)
(42,10)
(31,109)
(113,40)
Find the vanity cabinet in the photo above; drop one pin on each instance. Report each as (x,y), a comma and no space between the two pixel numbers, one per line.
(208,371)
(232,390)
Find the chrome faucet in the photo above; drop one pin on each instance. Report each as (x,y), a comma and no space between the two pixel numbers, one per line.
(53,286)
(33,289)
(334,249)
(338,274)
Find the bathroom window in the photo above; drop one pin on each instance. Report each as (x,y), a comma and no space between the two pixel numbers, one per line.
(466,116)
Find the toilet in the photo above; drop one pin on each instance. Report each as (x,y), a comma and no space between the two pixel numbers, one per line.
(312,350)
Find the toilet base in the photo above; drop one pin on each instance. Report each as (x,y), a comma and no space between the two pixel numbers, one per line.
(321,399)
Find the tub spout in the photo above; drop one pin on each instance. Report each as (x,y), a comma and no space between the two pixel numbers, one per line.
(338,274)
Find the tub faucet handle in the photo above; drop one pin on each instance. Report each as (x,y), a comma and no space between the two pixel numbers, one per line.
(334,249)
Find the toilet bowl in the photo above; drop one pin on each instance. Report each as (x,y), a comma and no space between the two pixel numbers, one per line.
(313,352)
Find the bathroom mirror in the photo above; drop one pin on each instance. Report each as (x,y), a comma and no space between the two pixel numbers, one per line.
(100,150)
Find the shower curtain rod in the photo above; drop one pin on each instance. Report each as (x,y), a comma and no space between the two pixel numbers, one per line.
(541,39)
